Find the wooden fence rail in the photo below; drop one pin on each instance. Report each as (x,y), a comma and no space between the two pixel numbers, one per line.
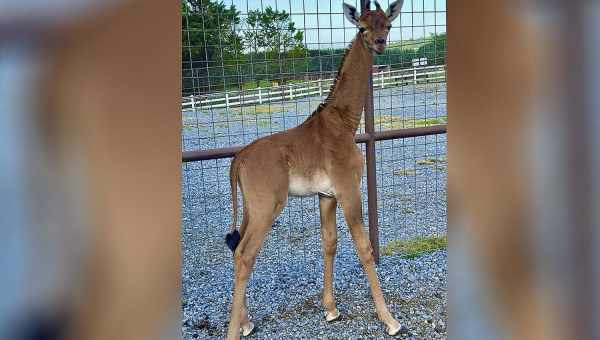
(319,87)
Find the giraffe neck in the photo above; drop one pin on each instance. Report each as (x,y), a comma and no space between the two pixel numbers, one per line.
(348,93)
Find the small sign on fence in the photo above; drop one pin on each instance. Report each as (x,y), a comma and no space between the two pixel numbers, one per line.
(419,62)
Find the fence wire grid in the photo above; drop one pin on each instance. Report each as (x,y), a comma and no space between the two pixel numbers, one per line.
(224,55)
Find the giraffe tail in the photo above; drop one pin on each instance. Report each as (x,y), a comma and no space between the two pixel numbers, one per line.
(232,239)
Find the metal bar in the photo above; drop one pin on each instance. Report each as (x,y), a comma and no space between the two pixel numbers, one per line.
(402,133)
(204,155)
(371,158)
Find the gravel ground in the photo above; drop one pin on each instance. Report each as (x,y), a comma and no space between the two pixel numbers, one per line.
(286,304)
(285,288)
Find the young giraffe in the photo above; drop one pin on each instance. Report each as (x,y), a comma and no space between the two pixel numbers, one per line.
(317,157)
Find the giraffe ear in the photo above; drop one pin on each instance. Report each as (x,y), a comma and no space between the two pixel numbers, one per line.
(351,14)
(394,10)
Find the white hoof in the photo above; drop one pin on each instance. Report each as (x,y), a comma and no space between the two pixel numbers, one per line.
(394,330)
(332,316)
(247,329)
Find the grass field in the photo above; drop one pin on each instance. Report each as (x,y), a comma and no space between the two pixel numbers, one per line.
(415,246)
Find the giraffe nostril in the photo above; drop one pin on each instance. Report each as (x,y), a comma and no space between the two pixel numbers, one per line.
(380,41)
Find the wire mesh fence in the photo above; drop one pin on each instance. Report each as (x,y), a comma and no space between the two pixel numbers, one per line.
(225,54)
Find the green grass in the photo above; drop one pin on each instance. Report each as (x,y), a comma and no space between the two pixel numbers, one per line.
(190,124)
(411,44)
(261,109)
(431,121)
(405,172)
(430,161)
(265,123)
(396,122)
(250,85)
(406,198)
(414,247)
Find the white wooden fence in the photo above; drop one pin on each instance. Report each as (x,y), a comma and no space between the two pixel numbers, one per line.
(319,87)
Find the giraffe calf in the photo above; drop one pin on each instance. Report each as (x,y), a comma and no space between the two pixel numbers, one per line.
(317,157)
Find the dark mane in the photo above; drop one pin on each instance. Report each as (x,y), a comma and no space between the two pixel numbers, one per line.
(323,105)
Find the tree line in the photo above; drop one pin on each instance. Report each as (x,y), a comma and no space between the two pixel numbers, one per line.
(217,54)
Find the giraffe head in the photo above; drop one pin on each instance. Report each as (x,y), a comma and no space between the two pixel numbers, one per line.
(374,24)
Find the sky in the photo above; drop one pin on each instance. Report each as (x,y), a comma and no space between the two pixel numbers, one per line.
(325,26)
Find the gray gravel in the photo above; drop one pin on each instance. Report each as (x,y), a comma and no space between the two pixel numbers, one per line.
(285,288)
(286,304)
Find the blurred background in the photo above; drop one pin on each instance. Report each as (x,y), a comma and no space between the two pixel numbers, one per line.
(523,159)
(91,161)
(91,142)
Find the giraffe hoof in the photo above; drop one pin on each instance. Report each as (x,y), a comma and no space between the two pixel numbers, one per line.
(248,329)
(332,316)
(399,330)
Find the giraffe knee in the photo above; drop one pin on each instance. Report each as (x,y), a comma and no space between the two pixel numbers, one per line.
(354,220)
(329,246)
(365,251)
(330,249)
(243,265)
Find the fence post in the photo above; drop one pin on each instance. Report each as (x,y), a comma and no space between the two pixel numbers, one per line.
(381,78)
(291,93)
(371,166)
(259,95)
(320,87)
(193,103)
(227,100)
(415,75)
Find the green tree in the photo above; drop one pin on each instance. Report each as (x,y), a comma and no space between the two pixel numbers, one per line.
(434,50)
(273,34)
(209,39)
(271,31)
